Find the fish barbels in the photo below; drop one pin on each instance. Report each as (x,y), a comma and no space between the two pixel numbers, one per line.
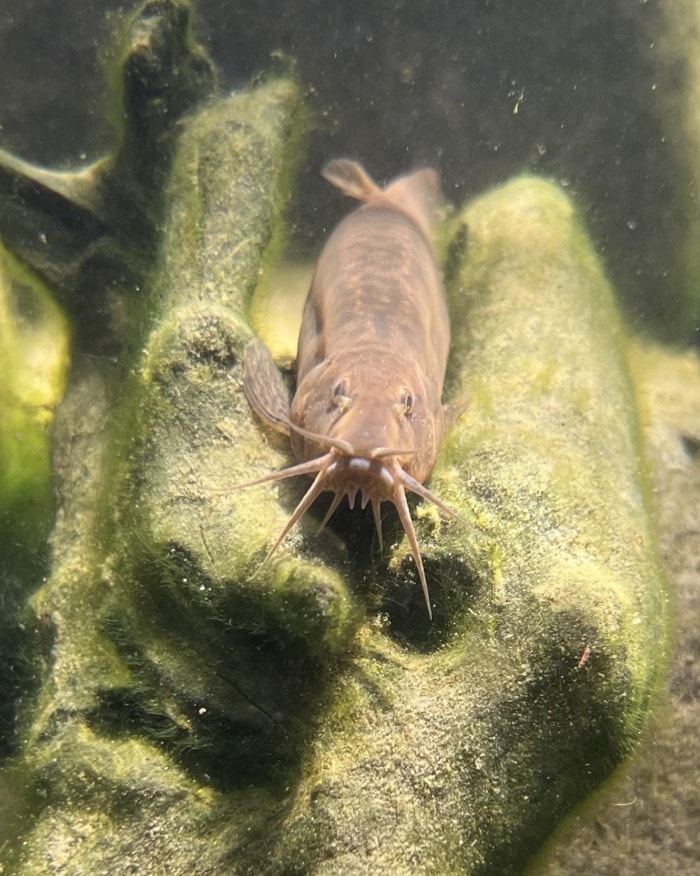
(367,412)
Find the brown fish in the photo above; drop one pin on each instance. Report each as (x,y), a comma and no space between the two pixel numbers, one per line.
(367,414)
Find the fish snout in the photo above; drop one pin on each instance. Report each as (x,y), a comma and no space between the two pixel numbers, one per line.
(370,429)
(350,475)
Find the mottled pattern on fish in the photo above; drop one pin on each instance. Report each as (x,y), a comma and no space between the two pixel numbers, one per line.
(367,413)
(376,284)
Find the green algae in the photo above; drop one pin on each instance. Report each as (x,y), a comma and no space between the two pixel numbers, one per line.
(451,749)
(553,415)
(91,232)
(677,43)
(200,714)
(456,759)
(176,655)
(34,358)
(652,788)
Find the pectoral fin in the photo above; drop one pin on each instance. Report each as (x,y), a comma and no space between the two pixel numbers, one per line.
(264,387)
(455,410)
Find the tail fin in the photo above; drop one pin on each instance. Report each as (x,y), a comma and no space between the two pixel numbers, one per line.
(419,195)
(416,194)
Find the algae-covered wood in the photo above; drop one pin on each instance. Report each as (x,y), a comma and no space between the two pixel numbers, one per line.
(196,717)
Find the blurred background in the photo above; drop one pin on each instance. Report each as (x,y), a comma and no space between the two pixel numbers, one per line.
(583,91)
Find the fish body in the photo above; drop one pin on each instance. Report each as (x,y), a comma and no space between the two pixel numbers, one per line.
(367,413)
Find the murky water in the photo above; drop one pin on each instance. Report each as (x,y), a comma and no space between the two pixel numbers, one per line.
(594,96)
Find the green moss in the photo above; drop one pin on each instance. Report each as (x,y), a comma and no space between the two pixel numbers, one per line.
(546,463)
(188,427)
(33,368)
(34,359)
(305,715)
(157,72)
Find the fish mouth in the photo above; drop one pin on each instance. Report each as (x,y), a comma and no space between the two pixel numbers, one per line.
(371,478)
(378,478)
(349,475)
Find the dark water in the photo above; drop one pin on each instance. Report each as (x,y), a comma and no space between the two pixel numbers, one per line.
(575,90)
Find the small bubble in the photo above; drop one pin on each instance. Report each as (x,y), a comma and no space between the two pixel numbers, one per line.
(631,224)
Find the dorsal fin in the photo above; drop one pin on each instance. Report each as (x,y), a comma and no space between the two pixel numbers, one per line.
(351,178)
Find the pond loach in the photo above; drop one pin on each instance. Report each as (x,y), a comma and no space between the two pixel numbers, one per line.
(192,715)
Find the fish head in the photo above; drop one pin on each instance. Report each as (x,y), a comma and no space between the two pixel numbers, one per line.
(375,404)
(368,424)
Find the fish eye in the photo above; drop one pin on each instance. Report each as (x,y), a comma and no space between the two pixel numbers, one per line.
(407,401)
(340,397)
